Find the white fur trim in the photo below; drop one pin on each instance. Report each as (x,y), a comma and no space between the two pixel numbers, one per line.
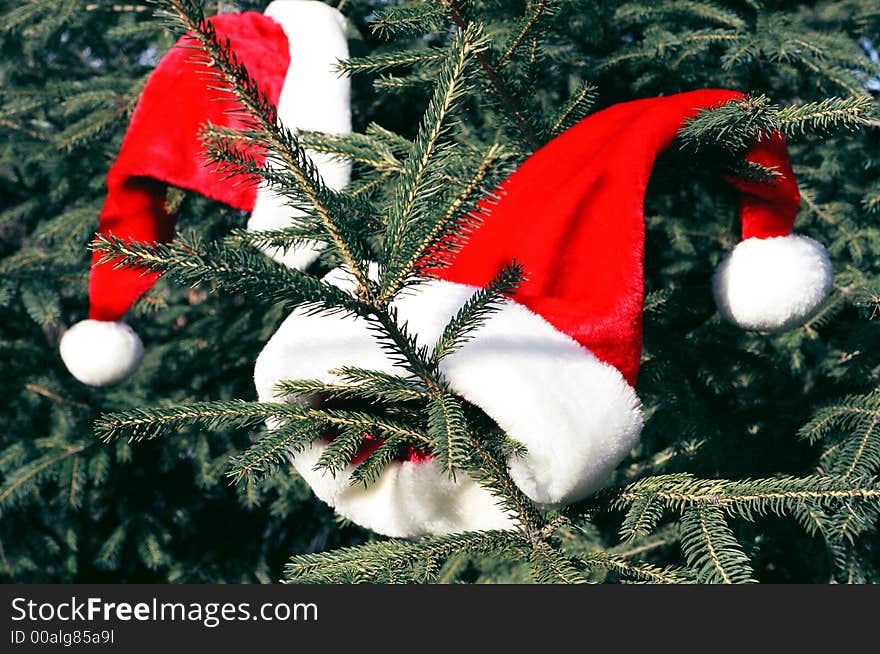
(409,499)
(99,352)
(773,284)
(314,97)
(576,416)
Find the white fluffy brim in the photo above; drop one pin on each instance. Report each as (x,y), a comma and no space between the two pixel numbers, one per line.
(99,352)
(409,499)
(773,284)
(576,416)
(314,97)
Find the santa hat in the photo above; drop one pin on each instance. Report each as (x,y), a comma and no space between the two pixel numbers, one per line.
(556,366)
(291,50)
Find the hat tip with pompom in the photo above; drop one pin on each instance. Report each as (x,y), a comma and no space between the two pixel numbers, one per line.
(773,284)
(291,51)
(100,352)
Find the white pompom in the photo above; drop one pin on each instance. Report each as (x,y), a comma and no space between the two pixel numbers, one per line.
(773,284)
(99,352)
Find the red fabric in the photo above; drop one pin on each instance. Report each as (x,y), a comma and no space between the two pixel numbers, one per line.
(372,443)
(572,214)
(162,147)
(769,209)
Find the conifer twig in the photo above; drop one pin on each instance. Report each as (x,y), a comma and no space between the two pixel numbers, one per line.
(45,392)
(536,14)
(531,520)
(495,79)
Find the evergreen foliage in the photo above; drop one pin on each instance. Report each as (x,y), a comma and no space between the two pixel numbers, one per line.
(760,456)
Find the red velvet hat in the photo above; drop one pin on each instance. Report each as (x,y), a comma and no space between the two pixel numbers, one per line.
(291,50)
(557,365)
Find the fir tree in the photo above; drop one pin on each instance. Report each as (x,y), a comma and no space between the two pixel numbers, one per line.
(760,456)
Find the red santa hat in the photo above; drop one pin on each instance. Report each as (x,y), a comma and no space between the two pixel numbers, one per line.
(557,365)
(291,50)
